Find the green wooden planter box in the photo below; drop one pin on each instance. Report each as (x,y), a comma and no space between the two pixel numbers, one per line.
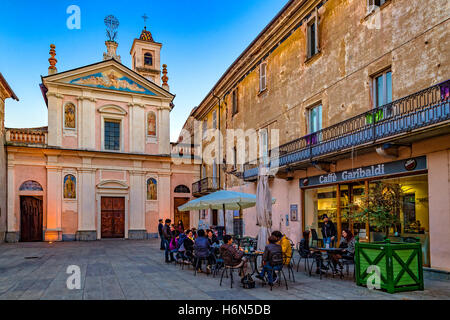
(400,265)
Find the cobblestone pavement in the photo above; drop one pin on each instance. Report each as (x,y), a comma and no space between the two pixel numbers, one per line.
(136,270)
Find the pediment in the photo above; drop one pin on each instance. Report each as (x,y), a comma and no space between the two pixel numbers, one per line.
(112,184)
(108,75)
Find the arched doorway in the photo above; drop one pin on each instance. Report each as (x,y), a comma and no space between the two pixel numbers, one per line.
(182,196)
(31,213)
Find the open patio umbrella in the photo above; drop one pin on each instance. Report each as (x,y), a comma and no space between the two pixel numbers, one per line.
(263,208)
(222,200)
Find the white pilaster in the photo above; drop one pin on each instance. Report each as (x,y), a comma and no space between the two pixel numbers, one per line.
(164,130)
(86,199)
(54,119)
(137,200)
(87,123)
(12,224)
(53,231)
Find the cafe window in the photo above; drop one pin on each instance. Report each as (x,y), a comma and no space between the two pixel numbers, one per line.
(339,201)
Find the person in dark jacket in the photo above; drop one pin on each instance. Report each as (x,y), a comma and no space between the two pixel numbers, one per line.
(329,232)
(272,259)
(232,256)
(160,232)
(306,252)
(202,249)
(167,235)
(189,245)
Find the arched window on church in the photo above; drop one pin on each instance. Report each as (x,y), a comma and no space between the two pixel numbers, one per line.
(70,187)
(69,116)
(30,185)
(182,189)
(152,189)
(151,124)
(148,59)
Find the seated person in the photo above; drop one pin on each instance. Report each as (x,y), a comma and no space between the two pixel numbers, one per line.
(213,241)
(272,259)
(285,244)
(180,247)
(231,256)
(303,248)
(348,244)
(188,244)
(202,249)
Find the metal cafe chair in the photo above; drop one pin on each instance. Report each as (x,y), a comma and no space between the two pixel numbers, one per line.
(315,237)
(303,256)
(319,262)
(290,265)
(199,260)
(229,270)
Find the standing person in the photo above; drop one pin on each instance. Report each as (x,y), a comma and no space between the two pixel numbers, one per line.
(285,244)
(329,233)
(167,235)
(233,257)
(160,232)
(272,260)
(180,227)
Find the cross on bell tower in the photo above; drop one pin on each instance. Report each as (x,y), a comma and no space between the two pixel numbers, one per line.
(145,55)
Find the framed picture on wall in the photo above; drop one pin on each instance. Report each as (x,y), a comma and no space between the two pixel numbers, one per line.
(294,212)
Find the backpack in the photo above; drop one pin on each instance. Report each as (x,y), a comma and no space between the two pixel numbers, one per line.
(248,282)
(277,259)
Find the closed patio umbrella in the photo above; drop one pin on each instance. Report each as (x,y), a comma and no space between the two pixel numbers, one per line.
(263,208)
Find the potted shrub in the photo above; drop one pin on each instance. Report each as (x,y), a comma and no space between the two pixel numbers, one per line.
(393,266)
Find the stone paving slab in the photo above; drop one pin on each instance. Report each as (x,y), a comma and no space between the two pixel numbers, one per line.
(135,270)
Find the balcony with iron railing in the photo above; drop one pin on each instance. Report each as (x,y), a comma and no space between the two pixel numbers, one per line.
(205,186)
(412,114)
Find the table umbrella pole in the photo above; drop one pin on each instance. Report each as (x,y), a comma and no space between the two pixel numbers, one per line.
(224,220)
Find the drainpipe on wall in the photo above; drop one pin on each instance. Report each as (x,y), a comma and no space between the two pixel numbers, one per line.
(220,185)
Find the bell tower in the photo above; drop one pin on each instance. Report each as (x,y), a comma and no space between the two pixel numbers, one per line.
(145,56)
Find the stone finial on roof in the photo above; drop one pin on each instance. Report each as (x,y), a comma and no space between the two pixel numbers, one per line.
(165,78)
(52,69)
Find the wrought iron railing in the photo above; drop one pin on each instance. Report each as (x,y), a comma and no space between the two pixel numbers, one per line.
(205,186)
(418,110)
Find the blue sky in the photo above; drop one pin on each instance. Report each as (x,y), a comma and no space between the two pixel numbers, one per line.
(201,38)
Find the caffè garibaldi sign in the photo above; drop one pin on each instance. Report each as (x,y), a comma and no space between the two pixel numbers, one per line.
(378,170)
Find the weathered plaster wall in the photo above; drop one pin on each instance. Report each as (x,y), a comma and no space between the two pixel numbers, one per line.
(3,207)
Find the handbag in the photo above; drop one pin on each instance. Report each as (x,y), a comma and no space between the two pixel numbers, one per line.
(248,282)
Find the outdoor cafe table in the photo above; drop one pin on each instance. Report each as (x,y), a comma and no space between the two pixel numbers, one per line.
(253,260)
(330,252)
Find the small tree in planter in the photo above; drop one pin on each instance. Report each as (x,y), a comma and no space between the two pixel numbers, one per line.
(381,207)
(399,264)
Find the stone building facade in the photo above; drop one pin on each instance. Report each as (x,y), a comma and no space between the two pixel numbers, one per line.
(5,93)
(341,86)
(103,167)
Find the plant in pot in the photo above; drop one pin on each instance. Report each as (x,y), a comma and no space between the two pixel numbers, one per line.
(381,208)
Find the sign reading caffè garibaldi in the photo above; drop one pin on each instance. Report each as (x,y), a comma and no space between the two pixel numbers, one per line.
(379,170)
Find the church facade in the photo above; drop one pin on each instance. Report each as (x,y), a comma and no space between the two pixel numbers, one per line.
(103,166)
